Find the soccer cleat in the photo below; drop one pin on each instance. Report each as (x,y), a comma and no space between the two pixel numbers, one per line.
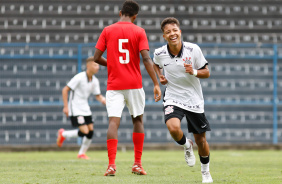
(111,171)
(60,138)
(206,177)
(189,155)
(83,156)
(138,169)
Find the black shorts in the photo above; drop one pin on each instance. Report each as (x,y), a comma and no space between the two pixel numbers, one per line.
(197,122)
(77,121)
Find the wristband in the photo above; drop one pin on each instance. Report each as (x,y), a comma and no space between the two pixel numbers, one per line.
(195,72)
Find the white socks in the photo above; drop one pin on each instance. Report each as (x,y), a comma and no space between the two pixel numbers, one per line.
(187,144)
(85,145)
(205,167)
(70,133)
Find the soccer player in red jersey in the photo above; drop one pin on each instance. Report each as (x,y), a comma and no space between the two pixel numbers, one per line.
(124,42)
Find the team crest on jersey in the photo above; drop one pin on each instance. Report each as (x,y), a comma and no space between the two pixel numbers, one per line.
(168,110)
(187,60)
(80,120)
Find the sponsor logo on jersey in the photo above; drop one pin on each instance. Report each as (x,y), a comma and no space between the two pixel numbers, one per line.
(188,48)
(189,106)
(167,64)
(162,52)
(203,126)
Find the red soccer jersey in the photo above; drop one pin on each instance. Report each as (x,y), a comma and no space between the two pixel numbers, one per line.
(123,41)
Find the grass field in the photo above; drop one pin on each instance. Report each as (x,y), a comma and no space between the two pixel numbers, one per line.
(162,167)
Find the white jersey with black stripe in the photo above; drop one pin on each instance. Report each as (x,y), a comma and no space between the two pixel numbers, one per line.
(183,90)
(81,89)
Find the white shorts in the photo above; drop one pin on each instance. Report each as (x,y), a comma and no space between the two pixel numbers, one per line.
(133,98)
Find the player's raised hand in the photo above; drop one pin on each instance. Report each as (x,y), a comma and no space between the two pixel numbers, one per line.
(189,68)
(163,80)
(157,93)
(66,111)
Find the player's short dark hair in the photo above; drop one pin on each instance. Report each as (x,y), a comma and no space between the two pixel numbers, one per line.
(169,20)
(130,8)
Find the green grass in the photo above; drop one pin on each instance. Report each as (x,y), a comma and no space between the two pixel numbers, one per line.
(162,167)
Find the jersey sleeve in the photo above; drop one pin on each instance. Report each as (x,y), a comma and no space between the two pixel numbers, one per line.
(156,60)
(73,83)
(143,41)
(101,43)
(199,58)
(96,89)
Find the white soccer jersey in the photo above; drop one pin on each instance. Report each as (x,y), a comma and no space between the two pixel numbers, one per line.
(183,90)
(81,89)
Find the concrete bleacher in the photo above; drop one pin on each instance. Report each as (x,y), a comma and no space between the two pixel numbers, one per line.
(31,102)
(30,88)
(158,37)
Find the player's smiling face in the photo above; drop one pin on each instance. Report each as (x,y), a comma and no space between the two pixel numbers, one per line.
(172,34)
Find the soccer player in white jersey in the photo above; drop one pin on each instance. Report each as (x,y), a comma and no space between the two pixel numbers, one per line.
(81,86)
(183,64)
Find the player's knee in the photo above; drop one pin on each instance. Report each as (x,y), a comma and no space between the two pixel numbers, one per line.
(200,141)
(81,134)
(90,134)
(173,129)
(138,120)
(173,132)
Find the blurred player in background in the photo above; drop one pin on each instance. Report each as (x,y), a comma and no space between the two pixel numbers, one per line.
(183,64)
(77,108)
(124,42)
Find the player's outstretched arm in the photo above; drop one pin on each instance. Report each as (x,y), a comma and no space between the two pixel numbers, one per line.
(98,58)
(149,67)
(65,92)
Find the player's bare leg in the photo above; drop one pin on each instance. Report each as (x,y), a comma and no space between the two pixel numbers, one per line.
(138,125)
(114,123)
(174,127)
(203,146)
(204,153)
(138,140)
(90,127)
(112,141)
